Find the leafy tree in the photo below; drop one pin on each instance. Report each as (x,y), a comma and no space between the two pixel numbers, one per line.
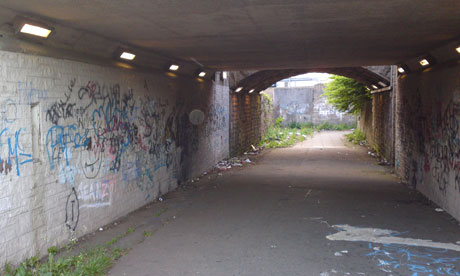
(346,95)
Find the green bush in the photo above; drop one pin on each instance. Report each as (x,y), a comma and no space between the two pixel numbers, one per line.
(279,121)
(356,137)
(295,125)
(347,95)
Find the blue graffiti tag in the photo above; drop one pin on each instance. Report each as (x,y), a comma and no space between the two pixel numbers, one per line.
(419,261)
(59,141)
(15,150)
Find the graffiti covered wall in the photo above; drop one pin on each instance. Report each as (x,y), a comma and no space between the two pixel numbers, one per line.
(427,145)
(82,145)
(306,105)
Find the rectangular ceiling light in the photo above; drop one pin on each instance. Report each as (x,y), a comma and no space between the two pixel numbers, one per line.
(224,75)
(202,74)
(35,30)
(128,56)
(458,49)
(401,70)
(424,62)
(252,90)
(174,67)
(375,86)
(382,84)
(239,89)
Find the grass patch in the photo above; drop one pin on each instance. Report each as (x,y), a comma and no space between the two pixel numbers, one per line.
(95,261)
(356,137)
(147,233)
(327,126)
(278,136)
(160,212)
(118,237)
(90,262)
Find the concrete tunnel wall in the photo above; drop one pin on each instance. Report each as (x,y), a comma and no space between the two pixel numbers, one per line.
(427,144)
(82,145)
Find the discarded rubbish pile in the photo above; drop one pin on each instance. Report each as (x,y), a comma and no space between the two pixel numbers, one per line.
(237,161)
(228,164)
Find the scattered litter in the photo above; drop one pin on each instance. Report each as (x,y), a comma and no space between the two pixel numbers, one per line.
(273,246)
(230,163)
(439,210)
(344,251)
(115,224)
(338,254)
(160,199)
(384,162)
(174,217)
(101,229)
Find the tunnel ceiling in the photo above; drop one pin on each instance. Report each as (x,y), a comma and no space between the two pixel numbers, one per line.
(262,34)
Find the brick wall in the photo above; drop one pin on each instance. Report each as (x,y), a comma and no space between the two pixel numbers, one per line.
(245,123)
(427,134)
(376,121)
(82,145)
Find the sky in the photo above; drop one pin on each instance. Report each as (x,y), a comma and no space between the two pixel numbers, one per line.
(309,79)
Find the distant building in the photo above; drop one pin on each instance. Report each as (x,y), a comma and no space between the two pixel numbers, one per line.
(300,99)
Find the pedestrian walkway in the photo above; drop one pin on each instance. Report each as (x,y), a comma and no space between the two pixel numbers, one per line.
(323,207)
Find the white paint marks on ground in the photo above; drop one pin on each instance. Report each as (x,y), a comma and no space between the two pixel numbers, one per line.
(383,236)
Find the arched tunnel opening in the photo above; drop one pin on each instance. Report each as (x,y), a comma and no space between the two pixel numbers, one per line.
(137,138)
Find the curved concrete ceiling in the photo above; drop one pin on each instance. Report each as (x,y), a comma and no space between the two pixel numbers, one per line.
(263,79)
(261,34)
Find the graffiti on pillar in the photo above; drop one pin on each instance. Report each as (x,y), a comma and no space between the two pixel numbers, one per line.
(72,210)
(442,145)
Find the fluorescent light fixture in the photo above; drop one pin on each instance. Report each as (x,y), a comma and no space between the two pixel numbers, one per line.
(458,49)
(224,75)
(252,90)
(35,30)
(382,84)
(401,70)
(375,86)
(128,56)
(174,67)
(202,74)
(424,62)
(239,89)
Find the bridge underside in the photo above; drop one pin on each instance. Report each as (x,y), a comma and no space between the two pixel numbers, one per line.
(86,137)
(246,35)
